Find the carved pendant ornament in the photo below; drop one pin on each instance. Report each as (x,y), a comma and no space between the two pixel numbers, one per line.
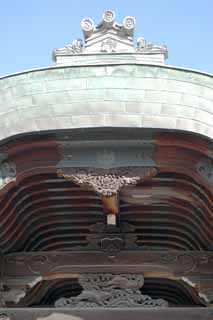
(107,182)
(110,291)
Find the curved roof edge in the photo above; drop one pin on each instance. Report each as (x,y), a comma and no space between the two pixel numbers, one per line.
(57,97)
(103,64)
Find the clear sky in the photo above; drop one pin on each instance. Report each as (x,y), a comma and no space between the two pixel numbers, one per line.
(30,29)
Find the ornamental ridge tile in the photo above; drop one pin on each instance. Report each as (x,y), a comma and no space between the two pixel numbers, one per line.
(109,37)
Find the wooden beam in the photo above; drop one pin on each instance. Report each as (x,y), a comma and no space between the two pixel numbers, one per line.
(104,314)
(151,263)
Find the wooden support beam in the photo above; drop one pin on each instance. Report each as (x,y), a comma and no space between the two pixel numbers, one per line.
(150,263)
(195,268)
(104,314)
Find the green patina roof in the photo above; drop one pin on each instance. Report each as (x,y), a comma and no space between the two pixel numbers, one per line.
(129,95)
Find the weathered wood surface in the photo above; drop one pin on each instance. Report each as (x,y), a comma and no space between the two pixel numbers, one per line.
(41,212)
(118,314)
(150,263)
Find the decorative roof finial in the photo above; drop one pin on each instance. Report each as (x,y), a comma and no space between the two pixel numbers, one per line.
(108,37)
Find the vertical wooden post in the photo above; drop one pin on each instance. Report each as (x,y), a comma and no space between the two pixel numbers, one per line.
(111,209)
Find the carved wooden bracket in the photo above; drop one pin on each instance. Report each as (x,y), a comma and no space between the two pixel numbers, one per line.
(110,291)
(110,240)
(205,169)
(7,173)
(107,182)
(13,295)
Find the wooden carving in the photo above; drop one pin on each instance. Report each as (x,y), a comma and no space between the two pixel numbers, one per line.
(13,295)
(4,316)
(7,173)
(182,263)
(110,291)
(107,182)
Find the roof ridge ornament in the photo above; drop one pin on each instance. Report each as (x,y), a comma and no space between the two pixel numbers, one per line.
(109,37)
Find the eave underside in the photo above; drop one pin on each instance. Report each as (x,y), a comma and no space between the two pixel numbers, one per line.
(170,212)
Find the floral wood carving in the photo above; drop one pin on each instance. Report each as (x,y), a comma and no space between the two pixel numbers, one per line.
(107,182)
(112,291)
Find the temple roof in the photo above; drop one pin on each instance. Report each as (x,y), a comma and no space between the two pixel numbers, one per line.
(122,94)
(106,163)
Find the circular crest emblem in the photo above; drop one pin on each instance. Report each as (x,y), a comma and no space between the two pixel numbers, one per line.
(129,23)
(87,24)
(109,16)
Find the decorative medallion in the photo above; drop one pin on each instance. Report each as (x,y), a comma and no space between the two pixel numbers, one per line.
(112,244)
(129,23)
(109,16)
(87,24)
(110,240)
(111,291)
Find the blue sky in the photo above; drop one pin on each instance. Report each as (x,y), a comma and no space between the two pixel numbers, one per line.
(30,29)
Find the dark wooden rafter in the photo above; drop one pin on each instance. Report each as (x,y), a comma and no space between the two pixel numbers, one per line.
(168,209)
(39,202)
(42,200)
(178,199)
